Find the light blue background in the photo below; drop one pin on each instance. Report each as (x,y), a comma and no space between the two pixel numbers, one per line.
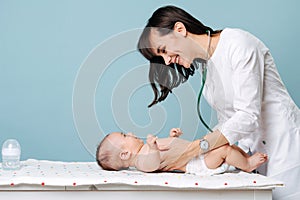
(44,43)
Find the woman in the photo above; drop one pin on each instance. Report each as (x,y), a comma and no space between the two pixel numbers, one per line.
(243,86)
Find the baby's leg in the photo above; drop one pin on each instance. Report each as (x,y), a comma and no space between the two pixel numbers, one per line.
(233,156)
(240,150)
(214,158)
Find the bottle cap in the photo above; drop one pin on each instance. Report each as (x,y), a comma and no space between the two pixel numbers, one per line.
(11,147)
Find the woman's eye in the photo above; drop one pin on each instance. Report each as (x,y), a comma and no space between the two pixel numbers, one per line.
(161,50)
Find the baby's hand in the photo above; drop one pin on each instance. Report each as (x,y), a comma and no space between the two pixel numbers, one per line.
(151,141)
(175,132)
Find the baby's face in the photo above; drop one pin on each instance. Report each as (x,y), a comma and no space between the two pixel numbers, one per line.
(129,141)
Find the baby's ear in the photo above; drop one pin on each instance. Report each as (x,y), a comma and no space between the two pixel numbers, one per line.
(125,154)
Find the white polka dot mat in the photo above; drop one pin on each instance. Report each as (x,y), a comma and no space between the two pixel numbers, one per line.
(55,173)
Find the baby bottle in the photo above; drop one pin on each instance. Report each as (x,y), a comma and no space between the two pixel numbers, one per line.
(11,152)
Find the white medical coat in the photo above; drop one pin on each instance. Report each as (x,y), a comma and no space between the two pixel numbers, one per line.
(254,107)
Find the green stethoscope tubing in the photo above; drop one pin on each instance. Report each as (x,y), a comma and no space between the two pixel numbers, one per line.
(204,71)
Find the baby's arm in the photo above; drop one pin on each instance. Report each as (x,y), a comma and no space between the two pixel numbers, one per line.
(148,159)
(174,132)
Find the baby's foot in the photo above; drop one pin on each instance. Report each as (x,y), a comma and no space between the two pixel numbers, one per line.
(256,160)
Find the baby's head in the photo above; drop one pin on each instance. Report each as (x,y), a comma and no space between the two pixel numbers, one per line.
(117,150)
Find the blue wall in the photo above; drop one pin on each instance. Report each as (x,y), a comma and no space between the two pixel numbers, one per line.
(46,46)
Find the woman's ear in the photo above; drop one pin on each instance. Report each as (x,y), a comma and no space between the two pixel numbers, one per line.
(180,28)
(125,154)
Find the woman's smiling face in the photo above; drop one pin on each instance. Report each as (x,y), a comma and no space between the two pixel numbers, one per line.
(174,47)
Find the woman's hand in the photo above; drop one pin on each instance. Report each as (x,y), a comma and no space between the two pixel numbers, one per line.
(175,132)
(180,154)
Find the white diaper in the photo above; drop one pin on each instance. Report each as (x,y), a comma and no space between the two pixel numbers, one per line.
(197,166)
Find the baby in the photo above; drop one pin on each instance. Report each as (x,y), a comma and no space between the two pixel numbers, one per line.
(119,151)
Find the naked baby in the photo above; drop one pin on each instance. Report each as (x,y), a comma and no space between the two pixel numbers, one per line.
(119,151)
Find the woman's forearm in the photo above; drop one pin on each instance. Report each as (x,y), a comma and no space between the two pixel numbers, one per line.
(215,140)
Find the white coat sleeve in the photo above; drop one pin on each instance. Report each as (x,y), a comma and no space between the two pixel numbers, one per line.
(247,63)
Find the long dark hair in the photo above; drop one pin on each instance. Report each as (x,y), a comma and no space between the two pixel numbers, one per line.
(169,77)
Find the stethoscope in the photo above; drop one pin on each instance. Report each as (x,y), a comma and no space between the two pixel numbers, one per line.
(204,72)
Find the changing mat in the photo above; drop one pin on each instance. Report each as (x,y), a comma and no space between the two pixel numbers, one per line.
(54,173)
